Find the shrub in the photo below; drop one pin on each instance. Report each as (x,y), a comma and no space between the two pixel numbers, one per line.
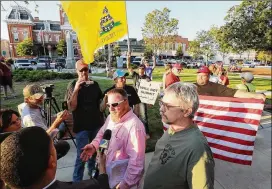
(39,75)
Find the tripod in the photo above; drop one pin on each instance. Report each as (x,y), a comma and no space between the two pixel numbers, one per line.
(48,103)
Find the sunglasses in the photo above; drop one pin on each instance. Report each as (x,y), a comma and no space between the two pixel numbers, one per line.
(115,104)
(16,121)
(84,69)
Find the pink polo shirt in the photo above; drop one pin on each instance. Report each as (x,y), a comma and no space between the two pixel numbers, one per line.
(127,142)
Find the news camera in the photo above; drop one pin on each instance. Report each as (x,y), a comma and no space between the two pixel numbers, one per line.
(48,89)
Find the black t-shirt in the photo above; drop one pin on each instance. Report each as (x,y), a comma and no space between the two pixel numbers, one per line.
(87,115)
(137,79)
(215,89)
(133,97)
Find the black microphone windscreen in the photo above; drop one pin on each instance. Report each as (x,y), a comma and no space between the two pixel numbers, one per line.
(107,135)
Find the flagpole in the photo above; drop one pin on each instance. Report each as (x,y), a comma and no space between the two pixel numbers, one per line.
(128,42)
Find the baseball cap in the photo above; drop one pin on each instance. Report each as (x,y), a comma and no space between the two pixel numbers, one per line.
(247,76)
(81,64)
(178,66)
(203,69)
(33,90)
(119,73)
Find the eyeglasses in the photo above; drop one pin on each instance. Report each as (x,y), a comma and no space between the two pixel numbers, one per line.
(84,69)
(167,106)
(16,121)
(115,104)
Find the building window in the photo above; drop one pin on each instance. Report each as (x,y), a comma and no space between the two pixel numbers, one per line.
(50,37)
(46,37)
(24,15)
(38,37)
(55,27)
(15,36)
(38,26)
(25,33)
(57,38)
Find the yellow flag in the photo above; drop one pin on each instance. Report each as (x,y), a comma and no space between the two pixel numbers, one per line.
(96,23)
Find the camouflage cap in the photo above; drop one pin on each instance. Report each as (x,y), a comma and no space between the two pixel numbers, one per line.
(33,90)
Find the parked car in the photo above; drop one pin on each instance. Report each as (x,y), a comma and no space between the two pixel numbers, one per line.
(137,61)
(234,68)
(23,63)
(59,62)
(249,65)
(191,65)
(159,63)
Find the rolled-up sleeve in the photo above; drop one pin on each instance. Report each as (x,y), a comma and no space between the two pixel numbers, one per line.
(201,173)
(136,152)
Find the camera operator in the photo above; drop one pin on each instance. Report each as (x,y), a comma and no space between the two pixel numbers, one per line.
(32,115)
(83,97)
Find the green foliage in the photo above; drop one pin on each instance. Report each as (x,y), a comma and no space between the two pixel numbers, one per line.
(179,52)
(25,48)
(194,49)
(148,52)
(98,56)
(116,51)
(38,75)
(265,56)
(207,43)
(159,29)
(248,26)
(61,47)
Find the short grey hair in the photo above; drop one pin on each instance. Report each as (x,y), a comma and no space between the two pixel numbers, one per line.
(187,94)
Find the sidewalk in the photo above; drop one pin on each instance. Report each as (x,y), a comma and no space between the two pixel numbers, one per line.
(227,175)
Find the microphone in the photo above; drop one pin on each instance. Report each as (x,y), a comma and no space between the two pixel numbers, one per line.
(104,144)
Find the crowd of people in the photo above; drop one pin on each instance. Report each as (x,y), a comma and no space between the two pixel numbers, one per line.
(182,158)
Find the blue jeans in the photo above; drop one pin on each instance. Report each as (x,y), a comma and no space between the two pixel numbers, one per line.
(82,139)
(143,116)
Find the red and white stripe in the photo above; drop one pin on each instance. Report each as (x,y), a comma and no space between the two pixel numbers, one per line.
(230,126)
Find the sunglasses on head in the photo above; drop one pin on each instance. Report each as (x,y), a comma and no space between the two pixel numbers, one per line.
(84,69)
(115,104)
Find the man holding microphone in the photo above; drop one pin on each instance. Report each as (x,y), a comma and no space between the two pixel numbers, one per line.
(127,143)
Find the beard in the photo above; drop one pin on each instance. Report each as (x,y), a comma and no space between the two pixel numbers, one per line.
(115,117)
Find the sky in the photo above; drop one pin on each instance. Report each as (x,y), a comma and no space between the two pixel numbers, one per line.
(193,16)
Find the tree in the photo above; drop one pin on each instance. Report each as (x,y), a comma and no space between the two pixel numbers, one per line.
(62,48)
(159,29)
(179,52)
(25,2)
(194,49)
(207,43)
(98,56)
(148,52)
(248,26)
(221,46)
(116,50)
(25,48)
(265,56)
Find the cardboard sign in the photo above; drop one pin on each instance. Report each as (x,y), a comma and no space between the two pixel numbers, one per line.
(148,91)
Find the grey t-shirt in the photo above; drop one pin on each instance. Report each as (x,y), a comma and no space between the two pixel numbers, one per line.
(182,160)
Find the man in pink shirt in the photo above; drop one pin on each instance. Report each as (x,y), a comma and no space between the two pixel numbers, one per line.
(127,140)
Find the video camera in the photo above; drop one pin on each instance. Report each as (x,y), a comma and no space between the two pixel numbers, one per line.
(48,89)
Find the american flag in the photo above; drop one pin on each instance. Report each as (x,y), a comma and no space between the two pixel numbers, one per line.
(230,126)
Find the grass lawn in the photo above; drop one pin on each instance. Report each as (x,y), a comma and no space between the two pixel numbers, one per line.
(188,75)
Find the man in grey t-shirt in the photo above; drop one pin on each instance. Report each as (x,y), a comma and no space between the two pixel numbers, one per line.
(182,157)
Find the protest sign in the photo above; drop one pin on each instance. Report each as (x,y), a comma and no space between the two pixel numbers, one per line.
(148,91)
